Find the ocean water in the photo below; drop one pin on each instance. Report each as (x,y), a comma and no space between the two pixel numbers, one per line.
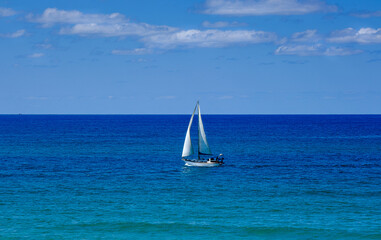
(121,177)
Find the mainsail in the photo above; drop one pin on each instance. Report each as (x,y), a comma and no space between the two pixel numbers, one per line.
(203,146)
(188,148)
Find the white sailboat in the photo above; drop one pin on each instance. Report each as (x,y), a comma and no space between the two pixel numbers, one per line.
(203,146)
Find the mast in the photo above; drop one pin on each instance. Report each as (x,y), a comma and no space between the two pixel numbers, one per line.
(203,146)
(198,127)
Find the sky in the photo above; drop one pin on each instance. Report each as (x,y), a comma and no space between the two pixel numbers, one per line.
(160,57)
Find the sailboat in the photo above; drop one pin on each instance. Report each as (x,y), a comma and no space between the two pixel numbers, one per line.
(203,146)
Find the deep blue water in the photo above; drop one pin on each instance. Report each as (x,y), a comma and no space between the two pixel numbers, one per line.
(121,177)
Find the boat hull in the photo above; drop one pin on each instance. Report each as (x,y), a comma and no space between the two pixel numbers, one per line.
(201,164)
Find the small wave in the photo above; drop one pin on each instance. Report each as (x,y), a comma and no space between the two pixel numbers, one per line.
(191,230)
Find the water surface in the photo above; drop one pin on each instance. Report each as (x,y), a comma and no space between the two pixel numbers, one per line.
(120,177)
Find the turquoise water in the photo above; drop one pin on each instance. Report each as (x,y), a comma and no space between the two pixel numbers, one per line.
(121,177)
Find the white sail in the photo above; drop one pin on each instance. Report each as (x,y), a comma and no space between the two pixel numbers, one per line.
(188,148)
(203,146)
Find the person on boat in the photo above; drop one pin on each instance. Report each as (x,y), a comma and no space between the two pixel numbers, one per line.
(219,158)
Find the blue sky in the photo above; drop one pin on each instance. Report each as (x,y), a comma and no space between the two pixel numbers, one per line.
(235,56)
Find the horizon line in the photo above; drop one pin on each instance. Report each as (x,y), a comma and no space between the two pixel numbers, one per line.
(150,114)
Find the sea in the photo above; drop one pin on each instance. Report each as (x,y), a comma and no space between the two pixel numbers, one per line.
(122,177)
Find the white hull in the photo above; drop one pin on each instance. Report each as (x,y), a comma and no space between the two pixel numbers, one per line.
(201,164)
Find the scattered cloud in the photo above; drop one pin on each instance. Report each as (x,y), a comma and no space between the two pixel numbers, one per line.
(36,55)
(306,36)
(266,7)
(7,12)
(314,50)
(136,51)
(351,35)
(111,25)
(367,14)
(108,25)
(155,37)
(222,24)
(208,38)
(16,34)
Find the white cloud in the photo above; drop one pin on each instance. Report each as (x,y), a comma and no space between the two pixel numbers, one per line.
(306,36)
(165,37)
(208,38)
(108,25)
(363,35)
(16,34)
(53,16)
(7,12)
(77,23)
(314,50)
(266,7)
(136,51)
(36,55)
(113,30)
(222,24)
